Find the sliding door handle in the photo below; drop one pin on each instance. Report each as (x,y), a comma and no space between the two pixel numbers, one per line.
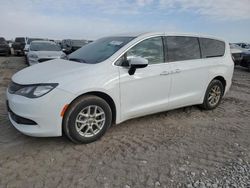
(176,71)
(164,73)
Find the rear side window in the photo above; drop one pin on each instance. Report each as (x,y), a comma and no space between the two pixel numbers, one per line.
(212,48)
(180,48)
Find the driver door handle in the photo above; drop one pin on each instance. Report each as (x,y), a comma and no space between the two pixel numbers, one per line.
(176,71)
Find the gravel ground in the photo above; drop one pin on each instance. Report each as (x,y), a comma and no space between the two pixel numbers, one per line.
(181,148)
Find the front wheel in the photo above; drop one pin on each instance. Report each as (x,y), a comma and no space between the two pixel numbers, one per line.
(213,95)
(87,119)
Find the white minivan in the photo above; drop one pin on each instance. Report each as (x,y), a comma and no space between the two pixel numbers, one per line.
(117,78)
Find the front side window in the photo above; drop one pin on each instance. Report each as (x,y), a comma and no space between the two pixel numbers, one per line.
(212,48)
(150,49)
(180,48)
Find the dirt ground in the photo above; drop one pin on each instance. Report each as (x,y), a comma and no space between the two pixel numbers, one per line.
(180,148)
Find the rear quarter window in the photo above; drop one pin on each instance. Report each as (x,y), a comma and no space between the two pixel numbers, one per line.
(212,48)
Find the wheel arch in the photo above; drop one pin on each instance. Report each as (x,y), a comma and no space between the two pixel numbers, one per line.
(222,80)
(102,95)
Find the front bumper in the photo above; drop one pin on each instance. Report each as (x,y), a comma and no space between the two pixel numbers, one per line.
(44,111)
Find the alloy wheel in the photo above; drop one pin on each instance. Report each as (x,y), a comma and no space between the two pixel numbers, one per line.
(214,95)
(90,121)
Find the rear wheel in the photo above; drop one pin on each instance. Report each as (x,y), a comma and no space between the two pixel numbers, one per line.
(213,95)
(87,119)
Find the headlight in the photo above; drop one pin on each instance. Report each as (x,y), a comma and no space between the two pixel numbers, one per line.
(32,91)
(33,56)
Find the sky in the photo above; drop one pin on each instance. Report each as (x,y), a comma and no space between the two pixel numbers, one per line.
(92,19)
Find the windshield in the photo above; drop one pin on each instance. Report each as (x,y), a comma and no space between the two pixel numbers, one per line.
(42,46)
(21,39)
(32,39)
(99,50)
(79,42)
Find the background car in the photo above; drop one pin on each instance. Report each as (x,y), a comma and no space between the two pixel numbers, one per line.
(40,51)
(18,45)
(246,59)
(4,47)
(243,45)
(10,42)
(237,53)
(70,45)
(26,48)
(241,56)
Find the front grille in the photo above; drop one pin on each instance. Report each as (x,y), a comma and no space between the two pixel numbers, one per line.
(13,87)
(21,120)
(43,59)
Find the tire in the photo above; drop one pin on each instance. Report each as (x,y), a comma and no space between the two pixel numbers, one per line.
(213,96)
(80,123)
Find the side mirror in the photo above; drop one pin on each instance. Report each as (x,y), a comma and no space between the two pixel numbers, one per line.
(136,63)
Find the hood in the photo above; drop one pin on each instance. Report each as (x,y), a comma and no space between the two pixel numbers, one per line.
(47,54)
(54,71)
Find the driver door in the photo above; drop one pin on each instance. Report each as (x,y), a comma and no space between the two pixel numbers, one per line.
(146,91)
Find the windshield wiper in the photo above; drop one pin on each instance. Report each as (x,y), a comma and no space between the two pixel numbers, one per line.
(77,60)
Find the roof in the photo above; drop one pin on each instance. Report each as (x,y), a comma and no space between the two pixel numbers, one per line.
(43,41)
(148,34)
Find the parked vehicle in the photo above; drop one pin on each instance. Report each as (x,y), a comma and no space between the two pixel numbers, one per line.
(118,78)
(246,59)
(241,56)
(26,48)
(18,45)
(237,53)
(70,45)
(244,45)
(41,51)
(4,47)
(10,42)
